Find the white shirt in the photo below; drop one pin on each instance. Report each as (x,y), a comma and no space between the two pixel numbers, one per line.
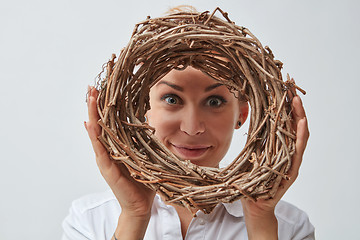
(95,217)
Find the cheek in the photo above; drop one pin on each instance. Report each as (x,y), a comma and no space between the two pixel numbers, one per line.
(164,124)
(223,129)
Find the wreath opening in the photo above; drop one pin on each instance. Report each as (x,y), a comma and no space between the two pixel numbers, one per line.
(229,54)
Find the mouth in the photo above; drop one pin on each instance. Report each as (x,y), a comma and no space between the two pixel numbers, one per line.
(190,152)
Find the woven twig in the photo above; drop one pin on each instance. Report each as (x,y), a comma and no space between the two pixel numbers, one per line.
(231,55)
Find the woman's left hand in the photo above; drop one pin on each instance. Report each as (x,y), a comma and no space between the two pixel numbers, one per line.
(260,218)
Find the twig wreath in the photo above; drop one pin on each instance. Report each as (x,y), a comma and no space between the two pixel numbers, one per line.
(231,55)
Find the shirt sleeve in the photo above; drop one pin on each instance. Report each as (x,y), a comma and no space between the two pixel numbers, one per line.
(293,223)
(76,225)
(93,217)
(304,230)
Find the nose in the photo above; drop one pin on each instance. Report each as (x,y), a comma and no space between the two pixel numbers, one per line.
(192,122)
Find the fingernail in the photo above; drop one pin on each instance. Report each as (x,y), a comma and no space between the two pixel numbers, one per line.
(85,125)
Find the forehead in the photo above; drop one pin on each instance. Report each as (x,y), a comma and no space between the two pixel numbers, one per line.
(191,80)
(189,77)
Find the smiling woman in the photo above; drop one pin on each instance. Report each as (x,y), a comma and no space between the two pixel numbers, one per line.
(162,120)
(233,59)
(194,116)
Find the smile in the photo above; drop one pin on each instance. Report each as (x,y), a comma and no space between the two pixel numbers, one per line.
(191,152)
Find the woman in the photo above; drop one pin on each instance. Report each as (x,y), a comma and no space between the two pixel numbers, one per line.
(195,118)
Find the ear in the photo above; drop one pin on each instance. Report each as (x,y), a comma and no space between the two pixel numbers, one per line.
(243,113)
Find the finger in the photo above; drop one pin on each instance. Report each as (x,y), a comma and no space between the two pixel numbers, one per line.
(300,145)
(298,110)
(93,127)
(92,108)
(112,172)
(302,136)
(290,94)
(109,170)
(94,131)
(300,125)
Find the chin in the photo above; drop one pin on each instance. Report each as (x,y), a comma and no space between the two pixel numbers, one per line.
(204,162)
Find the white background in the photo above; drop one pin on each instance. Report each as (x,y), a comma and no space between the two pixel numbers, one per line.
(51,50)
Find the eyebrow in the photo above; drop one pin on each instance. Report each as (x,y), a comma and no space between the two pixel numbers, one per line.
(211,87)
(176,87)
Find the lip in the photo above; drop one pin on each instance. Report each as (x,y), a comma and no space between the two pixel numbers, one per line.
(191,151)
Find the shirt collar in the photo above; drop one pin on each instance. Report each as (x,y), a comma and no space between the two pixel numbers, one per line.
(235,208)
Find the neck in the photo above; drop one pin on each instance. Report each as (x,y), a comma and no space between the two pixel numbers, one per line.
(185,217)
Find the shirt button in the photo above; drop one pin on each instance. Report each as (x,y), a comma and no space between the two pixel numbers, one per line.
(201,221)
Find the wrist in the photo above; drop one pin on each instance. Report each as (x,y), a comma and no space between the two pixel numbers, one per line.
(262,226)
(131,226)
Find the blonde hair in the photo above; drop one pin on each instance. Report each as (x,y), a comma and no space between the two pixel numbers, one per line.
(181,8)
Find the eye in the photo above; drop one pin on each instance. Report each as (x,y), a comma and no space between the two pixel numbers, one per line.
(215,101)
(171,99)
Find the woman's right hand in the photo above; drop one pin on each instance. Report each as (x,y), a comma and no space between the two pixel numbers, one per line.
(135,199)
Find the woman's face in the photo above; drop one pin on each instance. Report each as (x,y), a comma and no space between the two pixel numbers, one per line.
(194,116)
